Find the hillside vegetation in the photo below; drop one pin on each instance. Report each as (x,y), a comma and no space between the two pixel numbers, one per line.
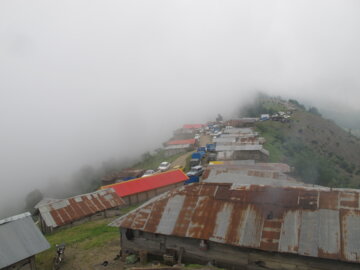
(320,151)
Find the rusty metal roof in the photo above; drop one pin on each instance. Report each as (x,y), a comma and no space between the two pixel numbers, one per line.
(239,131)
(315,222)
(65,211)
(250,164)
(175,142)
(272,170)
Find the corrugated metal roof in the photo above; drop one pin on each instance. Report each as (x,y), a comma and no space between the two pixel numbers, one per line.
(235,147)
(177,146)
(242,135)
(63,212)
(20,238)
(316,222)
(189,141)
(193,126)
(251,165)
(238,130)
(261,178)
(45,201)
(225,163)
(224,139)
(148,183)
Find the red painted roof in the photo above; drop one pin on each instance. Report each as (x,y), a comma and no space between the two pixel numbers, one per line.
(148,183)
(189,141)
(193,126)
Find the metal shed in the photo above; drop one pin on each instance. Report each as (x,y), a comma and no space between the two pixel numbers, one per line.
(309,222)
(67,211)
(20,241)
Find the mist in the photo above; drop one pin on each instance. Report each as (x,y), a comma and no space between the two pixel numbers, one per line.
(83,82)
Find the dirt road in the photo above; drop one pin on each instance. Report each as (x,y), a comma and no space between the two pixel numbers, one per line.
(205,139)
(181,161)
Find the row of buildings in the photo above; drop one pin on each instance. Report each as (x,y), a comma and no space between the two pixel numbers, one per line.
(240,144)
(21,239)
(247,213)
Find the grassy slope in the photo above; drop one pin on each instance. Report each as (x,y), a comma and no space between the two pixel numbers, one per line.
(321,152)
(153,161)
(82,241)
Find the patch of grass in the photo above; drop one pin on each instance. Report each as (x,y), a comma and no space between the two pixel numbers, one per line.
(86,236)
(187,162)
(309,165)
(151,162)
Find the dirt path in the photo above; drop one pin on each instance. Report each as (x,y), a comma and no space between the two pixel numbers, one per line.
(205,139)
(181,161)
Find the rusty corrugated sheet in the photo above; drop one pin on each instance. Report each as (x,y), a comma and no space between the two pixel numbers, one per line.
(63,212)
(316,222)
(263,170)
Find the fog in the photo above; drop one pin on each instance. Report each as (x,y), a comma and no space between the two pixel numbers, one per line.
(82,82)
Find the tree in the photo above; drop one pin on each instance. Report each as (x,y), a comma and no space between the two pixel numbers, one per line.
(32,198)
(219,118)
(314,111)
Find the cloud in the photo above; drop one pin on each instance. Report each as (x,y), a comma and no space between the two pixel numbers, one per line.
(85,81)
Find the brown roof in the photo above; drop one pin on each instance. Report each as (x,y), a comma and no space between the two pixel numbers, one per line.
(65,211)
(316,222)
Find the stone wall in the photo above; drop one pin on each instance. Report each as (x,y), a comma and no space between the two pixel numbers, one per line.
(226,256)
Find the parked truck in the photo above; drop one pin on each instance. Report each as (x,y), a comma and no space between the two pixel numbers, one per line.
(210,147)
(196,158)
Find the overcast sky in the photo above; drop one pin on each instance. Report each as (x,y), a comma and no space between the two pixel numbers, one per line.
(85,81)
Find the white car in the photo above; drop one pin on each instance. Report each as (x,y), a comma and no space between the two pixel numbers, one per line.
(197,136)
(148,173)
(164,166)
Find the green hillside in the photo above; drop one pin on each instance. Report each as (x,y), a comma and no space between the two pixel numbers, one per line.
(320,151)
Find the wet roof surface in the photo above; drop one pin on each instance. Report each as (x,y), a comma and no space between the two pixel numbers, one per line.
(65,211)
(316,222)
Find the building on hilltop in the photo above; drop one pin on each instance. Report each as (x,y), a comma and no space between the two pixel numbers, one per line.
(241,173)
(242,152)
(20,241)
(249,226)
(241,122)
(179,146)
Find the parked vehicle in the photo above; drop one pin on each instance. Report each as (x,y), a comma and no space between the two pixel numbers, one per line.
(201,149)
(210,147)
(192,179)
(195,171)
(59,257)
(148,173)
(164,166)
(197,137)
(211,157)
(196,158)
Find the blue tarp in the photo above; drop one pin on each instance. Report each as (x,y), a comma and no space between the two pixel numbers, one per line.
(192,179)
